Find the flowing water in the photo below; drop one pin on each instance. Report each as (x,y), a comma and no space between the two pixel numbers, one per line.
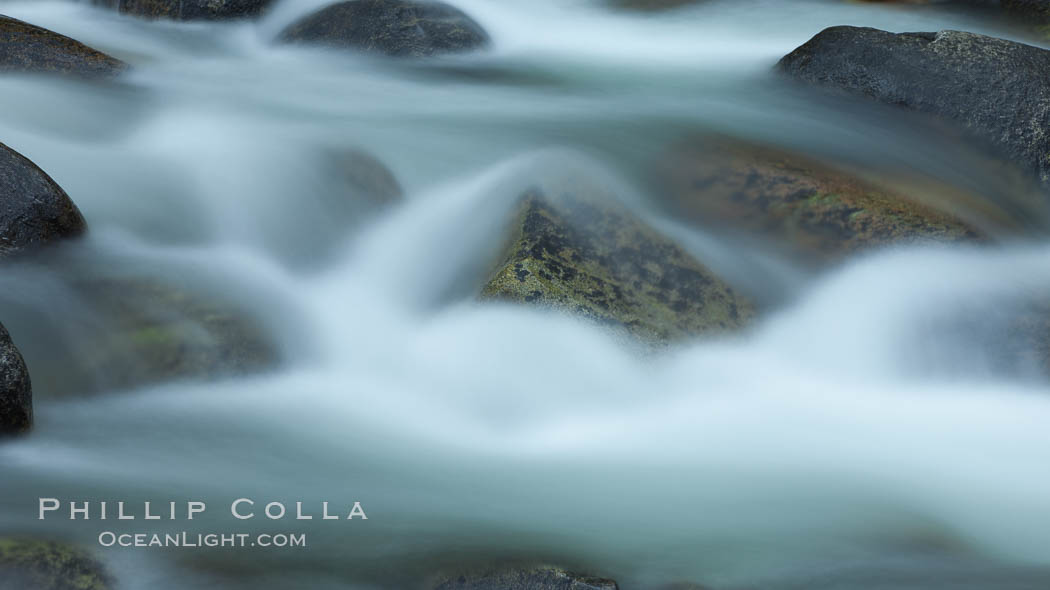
(846,440)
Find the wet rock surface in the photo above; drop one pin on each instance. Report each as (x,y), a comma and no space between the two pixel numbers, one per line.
(367,178)
(591,257)
(993,87)
(16,392)
(29,48)
(48,565)
(397,28)
(526,579)
(191,9)
(809,207)
(34,210)
(152,332)
(651,5)
(1035,11)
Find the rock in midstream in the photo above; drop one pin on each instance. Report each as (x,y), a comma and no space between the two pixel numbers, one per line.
(542,578)
(190,9)
(152,332)
(29,48)
(34,210)
(400,28)
(804,206)
(996,88)
(588,256)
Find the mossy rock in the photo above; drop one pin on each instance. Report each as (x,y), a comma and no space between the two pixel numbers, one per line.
(544,578)
(29,48)
(814,209)
(399,28)
(152,332)
(16,390)
(48,565)
(591,257)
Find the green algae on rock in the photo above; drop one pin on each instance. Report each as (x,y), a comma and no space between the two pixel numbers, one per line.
(593,258)
(400,28)
(16,390)
(29,48)
(526,579)
(815,209)
(48,565)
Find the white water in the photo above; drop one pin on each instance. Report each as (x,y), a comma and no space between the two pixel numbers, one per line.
(851,439)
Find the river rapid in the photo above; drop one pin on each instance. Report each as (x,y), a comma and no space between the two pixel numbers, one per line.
(846,440)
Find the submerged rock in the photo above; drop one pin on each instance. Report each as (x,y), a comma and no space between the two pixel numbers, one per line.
(818,211)
(651,5)
(593,258)
(34,210)
(996,88)
(370,181)
(526,579)
(47,565)
(16,391)
(153,332)
(29,48)
(401,28)
(1008,336)
(191,9)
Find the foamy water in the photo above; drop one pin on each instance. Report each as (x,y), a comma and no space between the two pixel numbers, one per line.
(851,438)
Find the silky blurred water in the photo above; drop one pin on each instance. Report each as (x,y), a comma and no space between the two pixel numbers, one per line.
(849,439)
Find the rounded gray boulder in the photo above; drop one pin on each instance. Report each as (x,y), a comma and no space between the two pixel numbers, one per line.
(29,48)
(190,9)
(400,28)
(34,210)
(995,88)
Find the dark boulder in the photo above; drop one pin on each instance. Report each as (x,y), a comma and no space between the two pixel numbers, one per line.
(47,565)
(525,579)
(190,9)
(16,392)
(401,28)
(29,48)
(998,89)
(590,257)
(1034,11)
(803,205)
(34,210)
